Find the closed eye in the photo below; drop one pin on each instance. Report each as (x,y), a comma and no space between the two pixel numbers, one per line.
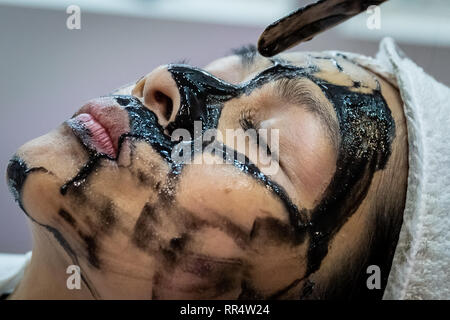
(247,122)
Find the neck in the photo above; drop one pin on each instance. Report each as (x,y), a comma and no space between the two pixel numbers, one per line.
(46,276)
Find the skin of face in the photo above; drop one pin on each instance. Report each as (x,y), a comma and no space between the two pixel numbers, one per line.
(212,230)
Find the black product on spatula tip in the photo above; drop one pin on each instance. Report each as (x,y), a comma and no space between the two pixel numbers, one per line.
(305,23)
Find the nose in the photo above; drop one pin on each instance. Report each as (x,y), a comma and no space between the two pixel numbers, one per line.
(160,94)
(181,95)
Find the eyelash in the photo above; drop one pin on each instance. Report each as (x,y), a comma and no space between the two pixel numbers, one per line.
(247,124)
(247,121)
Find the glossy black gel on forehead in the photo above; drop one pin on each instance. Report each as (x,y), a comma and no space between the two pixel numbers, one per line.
(367,130)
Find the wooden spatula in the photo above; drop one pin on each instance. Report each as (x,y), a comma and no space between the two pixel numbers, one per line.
(307,22)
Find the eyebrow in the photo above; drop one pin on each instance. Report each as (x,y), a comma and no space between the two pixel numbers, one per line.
(247,53)
(299,92)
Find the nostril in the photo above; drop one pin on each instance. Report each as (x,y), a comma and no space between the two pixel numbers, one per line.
(165,104)
(123,100)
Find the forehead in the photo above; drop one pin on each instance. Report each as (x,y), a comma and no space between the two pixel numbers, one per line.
(334,69)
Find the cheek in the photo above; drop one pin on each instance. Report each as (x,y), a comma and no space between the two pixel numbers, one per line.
(220,192)
(280,269)
(241,221)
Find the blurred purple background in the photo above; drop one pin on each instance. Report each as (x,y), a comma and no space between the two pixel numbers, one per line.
(47,72)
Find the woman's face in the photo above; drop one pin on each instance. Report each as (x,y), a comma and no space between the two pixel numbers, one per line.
(219,222)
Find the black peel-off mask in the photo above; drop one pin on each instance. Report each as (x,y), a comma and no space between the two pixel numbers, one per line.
(366,127)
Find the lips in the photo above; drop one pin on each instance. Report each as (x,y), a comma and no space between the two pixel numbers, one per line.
(99,124)
(99,136)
